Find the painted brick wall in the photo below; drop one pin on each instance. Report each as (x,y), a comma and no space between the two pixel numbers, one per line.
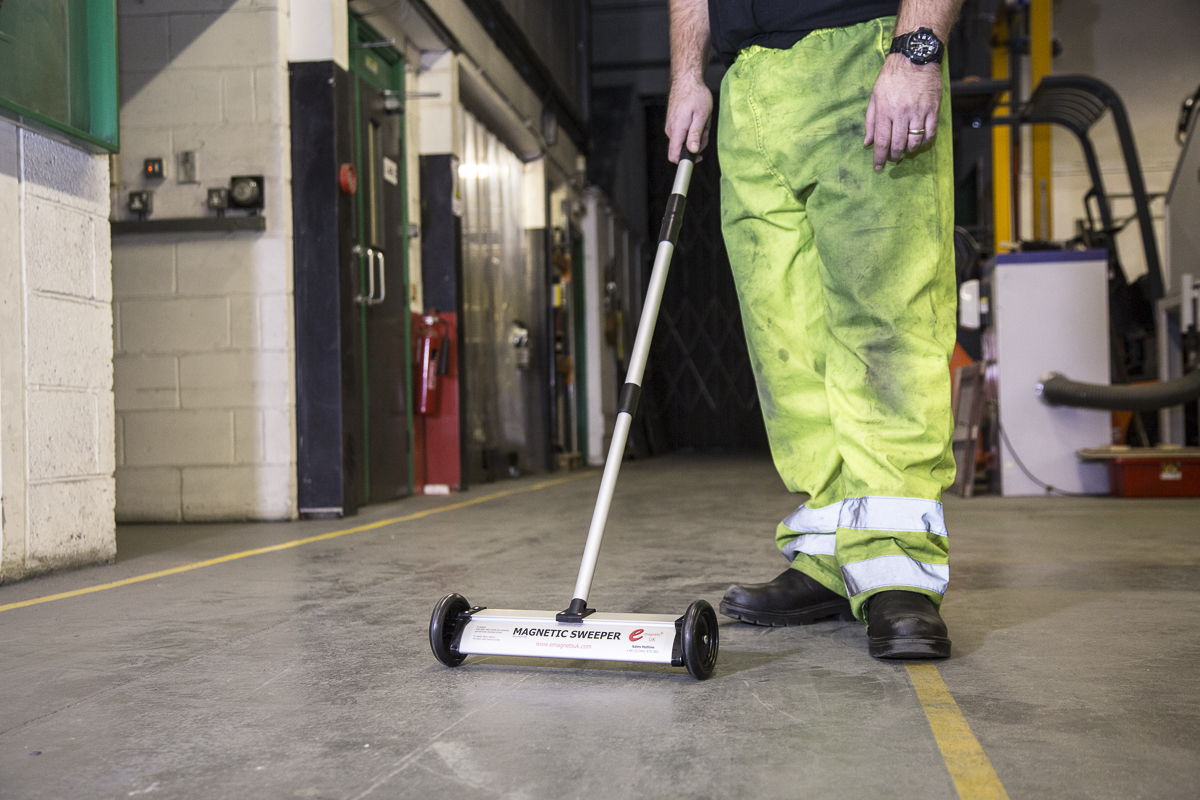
(204,339)
(56,398)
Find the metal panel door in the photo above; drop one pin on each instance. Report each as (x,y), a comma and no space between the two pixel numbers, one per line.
(383,295)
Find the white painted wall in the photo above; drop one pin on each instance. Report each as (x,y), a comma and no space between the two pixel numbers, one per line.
(204,337)
(438,106)
(56,398)
(1149,53)
(320,31)
(598,226)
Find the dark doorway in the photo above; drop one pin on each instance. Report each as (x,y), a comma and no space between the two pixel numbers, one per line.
(699,388)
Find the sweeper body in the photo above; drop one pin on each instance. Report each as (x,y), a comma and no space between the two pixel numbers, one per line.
(458,629)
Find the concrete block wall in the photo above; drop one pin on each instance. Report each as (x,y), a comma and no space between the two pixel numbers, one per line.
(56,397)
(204,367)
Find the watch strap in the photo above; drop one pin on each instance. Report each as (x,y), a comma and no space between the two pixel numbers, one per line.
(900,45)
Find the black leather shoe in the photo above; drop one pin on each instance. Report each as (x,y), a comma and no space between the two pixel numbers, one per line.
(905,625)
(791,599)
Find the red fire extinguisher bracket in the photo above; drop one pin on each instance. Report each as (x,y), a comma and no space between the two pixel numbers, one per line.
(433,354)
(437,450)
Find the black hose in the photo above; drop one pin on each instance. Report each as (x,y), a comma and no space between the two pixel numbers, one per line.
(1058,390)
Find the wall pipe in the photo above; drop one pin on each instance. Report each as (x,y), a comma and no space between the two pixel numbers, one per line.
(1056,389)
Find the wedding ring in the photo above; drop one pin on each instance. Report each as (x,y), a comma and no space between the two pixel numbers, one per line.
(917,132)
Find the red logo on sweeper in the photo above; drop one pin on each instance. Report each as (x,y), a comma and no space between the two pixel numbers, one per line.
(635,635)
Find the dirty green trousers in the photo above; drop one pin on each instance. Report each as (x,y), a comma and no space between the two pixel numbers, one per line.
(845,278)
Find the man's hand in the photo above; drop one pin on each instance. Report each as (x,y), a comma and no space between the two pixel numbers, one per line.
(902,114)
(689,114)
(690,105)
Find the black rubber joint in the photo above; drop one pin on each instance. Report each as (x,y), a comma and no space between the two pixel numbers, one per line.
(673,219)
(629,399)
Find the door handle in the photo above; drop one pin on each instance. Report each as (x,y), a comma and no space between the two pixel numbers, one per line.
(382,278)
(374,258)
(368,298)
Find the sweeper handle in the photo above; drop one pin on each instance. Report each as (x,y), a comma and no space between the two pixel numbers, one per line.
(633,387)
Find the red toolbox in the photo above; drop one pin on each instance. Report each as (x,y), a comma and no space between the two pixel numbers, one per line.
(1149,471)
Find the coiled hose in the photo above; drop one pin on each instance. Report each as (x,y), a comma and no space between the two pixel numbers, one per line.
(1057,389)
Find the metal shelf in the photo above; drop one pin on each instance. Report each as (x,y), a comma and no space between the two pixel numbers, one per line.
(190,225)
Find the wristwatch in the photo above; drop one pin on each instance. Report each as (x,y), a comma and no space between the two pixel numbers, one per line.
(921,46)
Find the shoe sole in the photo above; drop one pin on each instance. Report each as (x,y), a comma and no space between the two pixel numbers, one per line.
(782,619)
(909,648)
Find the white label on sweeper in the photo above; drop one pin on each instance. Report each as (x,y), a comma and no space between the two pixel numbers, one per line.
(603,637)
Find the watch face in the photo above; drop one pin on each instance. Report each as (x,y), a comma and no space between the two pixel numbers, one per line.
(923,46)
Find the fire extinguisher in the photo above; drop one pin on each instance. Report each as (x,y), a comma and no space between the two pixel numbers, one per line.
(433,360)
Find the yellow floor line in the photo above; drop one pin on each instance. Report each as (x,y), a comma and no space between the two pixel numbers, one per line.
(973,774)
(149,576)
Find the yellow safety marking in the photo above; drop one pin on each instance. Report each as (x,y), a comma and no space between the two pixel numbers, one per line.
(973,775)
(258,551)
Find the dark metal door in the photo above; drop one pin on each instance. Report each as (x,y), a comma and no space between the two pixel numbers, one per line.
(329,421)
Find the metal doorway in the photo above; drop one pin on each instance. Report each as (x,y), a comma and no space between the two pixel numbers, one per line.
(504,297)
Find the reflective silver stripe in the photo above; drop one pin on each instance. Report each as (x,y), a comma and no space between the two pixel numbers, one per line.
(896,570)
(816,527)
(892,514)
(813,544)
(813,520)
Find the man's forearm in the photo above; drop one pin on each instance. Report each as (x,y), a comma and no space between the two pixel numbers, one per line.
(689,108)
(689,40)
(938,15)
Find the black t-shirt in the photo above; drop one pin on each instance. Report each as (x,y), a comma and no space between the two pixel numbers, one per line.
(779,24)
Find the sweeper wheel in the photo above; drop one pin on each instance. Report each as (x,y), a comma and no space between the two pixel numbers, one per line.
(442,627)
(701,639)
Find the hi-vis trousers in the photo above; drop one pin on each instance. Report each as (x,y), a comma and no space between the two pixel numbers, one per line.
(848,297)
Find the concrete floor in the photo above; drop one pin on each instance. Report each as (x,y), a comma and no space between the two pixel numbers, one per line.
(307,672)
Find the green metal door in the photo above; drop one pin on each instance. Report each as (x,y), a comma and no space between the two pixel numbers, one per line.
(382,261)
